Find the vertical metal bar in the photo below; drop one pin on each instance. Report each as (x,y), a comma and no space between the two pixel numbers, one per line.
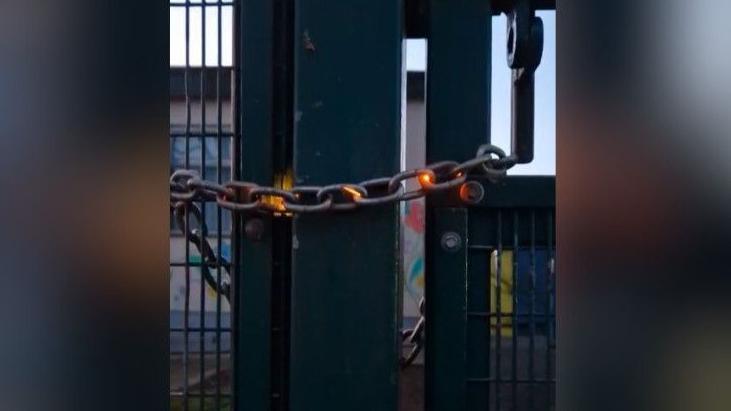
(498,306)
(531,349)
(522,103)
(186,310)
(348,71)
(252,302)
(202,323)
(282,234)
(186,316)
(458,86)
(237,18)
(236,220)
(187,86)
(514,292)
(458,120)
(219,219)
(446,313)
(186,313)
(477,329)
(548,307)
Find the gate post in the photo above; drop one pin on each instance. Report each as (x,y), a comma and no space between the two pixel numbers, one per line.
(458,121)
(347,127)
(252,283)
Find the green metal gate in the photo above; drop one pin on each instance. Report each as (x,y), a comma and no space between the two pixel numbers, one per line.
(491,299)
(316,90)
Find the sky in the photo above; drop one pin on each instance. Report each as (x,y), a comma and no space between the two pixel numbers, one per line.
(544,162)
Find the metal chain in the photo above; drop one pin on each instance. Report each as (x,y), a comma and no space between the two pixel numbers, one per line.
(242,196)
(186,188)
(414,337)
(197,236)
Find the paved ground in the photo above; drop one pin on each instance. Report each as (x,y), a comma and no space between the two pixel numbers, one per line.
(411,396)
(177,373)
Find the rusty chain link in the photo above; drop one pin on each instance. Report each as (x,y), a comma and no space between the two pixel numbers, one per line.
(241,196)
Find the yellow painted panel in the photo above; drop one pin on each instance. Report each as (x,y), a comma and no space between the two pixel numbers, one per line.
(505,291)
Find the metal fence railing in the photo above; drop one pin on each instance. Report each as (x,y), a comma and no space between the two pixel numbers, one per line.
(201,138)
(513,361)
(491,298)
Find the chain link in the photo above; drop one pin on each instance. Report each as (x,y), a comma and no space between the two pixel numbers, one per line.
(414,337)
(182,211)
(242,196)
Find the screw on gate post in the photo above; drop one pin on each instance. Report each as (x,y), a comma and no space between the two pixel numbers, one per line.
(471,192)
(451,241)
(254,229)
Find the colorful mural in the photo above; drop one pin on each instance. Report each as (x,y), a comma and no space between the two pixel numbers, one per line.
(413,255)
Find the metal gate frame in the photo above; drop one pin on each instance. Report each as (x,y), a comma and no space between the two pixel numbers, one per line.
(299,125)
(199,125)
(470,365)
(464,370)
(295,68)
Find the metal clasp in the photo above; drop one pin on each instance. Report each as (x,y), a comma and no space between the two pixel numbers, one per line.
(524,52)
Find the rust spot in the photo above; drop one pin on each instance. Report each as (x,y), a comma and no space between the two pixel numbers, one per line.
(307,41)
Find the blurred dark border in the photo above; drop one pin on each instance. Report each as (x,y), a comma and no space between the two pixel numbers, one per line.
(643,205)
(84,287)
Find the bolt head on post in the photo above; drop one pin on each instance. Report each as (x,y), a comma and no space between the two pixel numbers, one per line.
(451,241)
(471,192)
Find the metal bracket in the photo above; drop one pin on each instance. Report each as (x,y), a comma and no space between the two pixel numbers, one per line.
(524,52)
